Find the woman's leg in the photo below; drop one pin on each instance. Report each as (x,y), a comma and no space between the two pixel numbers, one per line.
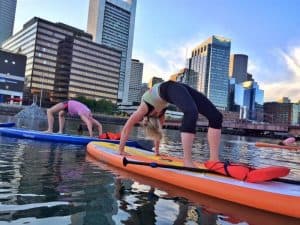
(179,96)
(50,115)
(214,137)
(187,140)
(207,109)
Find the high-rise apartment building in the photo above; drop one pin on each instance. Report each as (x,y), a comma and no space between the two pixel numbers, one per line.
(63,62)
(238,67)
(111,22)
(7,18)
(135,81)
(208,72)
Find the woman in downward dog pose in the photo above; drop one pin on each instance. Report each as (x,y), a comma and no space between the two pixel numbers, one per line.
(73,108)
(191,102)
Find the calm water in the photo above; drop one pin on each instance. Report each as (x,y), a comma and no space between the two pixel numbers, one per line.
(52,183)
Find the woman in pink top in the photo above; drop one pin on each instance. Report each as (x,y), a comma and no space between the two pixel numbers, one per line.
(293,137)
(73,108)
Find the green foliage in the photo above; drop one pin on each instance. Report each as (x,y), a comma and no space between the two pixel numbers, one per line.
(100,106)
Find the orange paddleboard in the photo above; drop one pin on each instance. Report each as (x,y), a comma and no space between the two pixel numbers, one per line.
(270,145)
(233,212)
(276,197)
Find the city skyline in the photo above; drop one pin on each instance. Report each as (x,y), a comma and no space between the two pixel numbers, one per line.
(265,31)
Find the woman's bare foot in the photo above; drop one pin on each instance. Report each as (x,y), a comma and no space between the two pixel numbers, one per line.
(123,153)
(189,164)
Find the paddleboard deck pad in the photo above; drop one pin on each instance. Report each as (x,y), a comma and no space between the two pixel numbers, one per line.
(55,137)
(270,145)
(272,196)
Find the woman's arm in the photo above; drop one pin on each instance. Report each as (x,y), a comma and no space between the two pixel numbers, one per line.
(157,142)
(99,126)
(137,116)
(88,123)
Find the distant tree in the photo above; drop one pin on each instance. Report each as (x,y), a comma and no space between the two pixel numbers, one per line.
(100,106)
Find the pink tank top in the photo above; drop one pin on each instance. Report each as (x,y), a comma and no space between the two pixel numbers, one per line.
(289,141)
(77,108)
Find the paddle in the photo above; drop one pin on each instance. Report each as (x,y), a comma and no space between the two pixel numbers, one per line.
(199,170)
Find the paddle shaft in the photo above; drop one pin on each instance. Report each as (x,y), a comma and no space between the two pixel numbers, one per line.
(156,165)
(199,170)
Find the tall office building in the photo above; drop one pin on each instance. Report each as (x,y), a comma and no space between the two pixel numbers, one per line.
(111,22)
(7,18)
(208,72)
(238,67)
(63,62)
(135,81)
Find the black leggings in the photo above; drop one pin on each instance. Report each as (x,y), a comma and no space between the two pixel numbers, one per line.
(190,102)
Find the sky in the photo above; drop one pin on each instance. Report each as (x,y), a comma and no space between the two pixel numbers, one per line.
(166,31)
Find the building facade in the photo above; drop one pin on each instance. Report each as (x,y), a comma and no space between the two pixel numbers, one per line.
(181,76)
(12,73)
(246,98)
(63,62)
(278,112)
(135,81)
(238,67)
(208,69)
(154,80)
(7,18)
(111,22)
(284,100)
(282,112)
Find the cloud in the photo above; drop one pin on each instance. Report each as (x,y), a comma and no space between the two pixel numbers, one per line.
(163,62)
(280,79)
(292,60)
(287,82)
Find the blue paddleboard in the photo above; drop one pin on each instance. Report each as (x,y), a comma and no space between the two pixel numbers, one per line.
(9,124)
(54,137)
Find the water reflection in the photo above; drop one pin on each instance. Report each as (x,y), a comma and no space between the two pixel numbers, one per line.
(48,183)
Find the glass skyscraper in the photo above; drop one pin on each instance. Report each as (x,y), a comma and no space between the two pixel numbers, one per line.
(7,18)
(209,67)
(246,97)
(111,22)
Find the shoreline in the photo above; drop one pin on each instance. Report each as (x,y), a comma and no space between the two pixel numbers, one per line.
(12,110)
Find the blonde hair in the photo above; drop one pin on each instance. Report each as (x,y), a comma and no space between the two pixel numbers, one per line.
(152,129)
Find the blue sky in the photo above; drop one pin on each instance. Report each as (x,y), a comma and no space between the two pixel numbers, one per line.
(268,31)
